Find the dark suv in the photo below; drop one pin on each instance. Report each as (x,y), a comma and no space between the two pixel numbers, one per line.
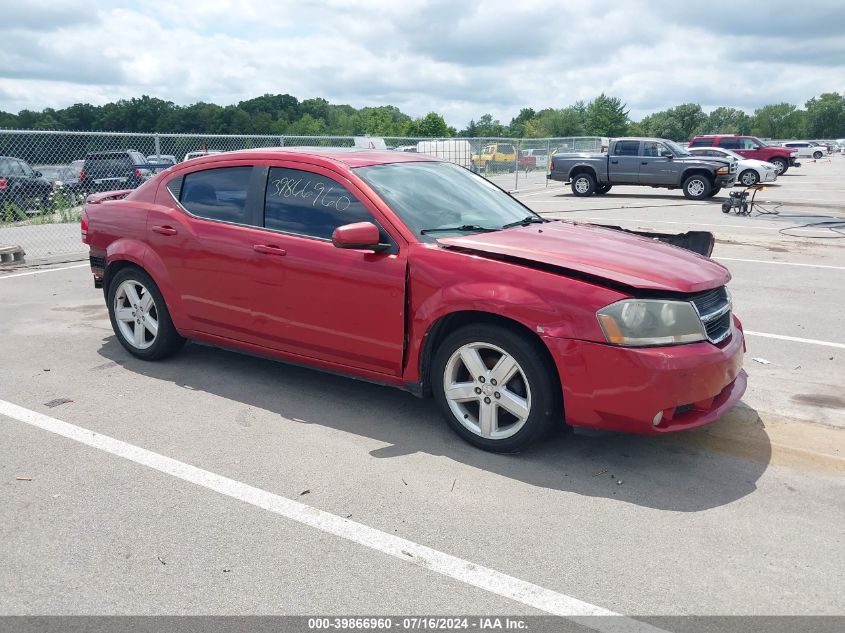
(750,147)
(106,171)
(22,187)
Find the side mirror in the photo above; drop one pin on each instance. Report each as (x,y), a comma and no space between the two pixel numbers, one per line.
(38,174)
(362,236)
(670,156)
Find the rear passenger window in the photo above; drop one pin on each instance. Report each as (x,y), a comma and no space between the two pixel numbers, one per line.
(305,203)
(729,143)
(217,194)
(627,148)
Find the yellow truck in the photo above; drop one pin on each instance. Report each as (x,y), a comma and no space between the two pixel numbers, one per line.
(495,157)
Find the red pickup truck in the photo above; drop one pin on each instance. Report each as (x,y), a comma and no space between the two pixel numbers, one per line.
(413,272)
(750,147)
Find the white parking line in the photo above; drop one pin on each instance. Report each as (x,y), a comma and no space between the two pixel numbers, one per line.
(795,339)
(453,567)
(39,272)
(763,261)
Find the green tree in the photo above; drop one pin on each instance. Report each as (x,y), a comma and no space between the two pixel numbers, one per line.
(555,123)
(431,125)
(826,116)
(778,120)
(517,125)
(606,116)
(728,121)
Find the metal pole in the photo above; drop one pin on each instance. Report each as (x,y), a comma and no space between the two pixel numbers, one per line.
(548,159)
(158,147)
(517,145)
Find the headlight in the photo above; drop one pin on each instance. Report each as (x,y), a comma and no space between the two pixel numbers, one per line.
(640,322)
(723,170)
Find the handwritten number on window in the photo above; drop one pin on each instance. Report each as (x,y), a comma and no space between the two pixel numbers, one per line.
(316,192)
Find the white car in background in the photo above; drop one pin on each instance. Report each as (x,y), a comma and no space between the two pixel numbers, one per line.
(806,149)
(748,171)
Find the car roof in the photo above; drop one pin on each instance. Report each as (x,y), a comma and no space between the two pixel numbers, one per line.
(348,156)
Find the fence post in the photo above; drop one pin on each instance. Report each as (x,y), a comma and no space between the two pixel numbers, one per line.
(548,159)
(158,147)
(516,165)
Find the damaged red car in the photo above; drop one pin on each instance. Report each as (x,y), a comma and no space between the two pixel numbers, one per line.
(413,272)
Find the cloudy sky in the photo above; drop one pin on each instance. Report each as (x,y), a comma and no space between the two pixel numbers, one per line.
(456,57)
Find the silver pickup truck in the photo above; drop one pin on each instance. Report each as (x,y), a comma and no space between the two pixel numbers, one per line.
(650,162)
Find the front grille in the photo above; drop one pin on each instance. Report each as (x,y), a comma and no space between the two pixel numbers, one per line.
(714,310)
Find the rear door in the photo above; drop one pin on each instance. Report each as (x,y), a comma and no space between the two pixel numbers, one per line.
(206,240)
(624,168)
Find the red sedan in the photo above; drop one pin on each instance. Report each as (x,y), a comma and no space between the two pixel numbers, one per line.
(413,272)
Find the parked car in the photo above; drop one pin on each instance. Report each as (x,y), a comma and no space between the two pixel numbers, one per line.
(806,149)
(119,168)
(495,157)
(202,152)
(22,188)
(749,171)
(405,148)
(69,180)
(533,158)
(750,147)
(650,162)
(158,162)
(414,272)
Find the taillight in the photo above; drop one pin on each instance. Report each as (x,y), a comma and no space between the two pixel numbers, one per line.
(84,225)
(138,173)
(82,174)
(4,184)
(552,164)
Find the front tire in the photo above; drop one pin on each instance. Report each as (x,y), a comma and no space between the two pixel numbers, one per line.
(495,387)
(139,316)
(817,155)
(749,178)
(697,187)
(583,185)
(780,165)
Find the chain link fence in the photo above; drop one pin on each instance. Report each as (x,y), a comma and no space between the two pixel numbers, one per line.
(46,175)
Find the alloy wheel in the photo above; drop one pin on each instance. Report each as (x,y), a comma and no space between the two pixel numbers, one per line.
(136,314)
(487,390)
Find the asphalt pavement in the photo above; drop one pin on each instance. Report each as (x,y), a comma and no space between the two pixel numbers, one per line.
(218,483)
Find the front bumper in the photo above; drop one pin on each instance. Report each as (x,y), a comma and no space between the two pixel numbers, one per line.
(628,389)
(794,162)
(725,181)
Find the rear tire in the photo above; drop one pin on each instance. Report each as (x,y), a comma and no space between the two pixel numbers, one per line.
(583,185)
(697,187)
(510,400)
(139,316)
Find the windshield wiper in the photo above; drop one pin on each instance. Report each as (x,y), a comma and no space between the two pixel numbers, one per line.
(530,219)
(463,228)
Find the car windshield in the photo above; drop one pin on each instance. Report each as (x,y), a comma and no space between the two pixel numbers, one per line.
(676,149)
(443,197)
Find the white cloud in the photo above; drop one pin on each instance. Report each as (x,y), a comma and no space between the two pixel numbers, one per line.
(460,59)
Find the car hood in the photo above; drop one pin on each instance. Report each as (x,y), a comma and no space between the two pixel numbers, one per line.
(592,251)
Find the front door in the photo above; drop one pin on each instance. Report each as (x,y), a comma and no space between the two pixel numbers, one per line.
(341,306)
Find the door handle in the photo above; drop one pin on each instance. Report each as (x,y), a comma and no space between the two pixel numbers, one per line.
(614,162)
(644,163)
(165,230)
(269,249)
